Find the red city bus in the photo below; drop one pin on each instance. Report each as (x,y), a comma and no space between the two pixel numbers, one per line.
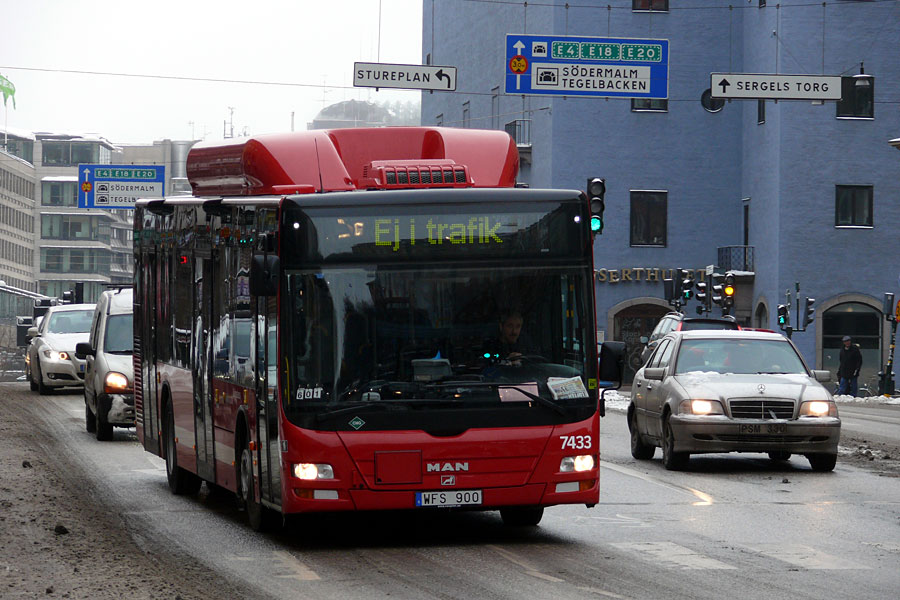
(322,327)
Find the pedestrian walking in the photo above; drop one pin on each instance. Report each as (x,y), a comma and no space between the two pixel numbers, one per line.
(848,371)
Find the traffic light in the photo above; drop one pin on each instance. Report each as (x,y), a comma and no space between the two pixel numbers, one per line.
(717,290)
(809,311)
(728,290)
(701,292)
(596,190)
(887,308)
(687,283)
(783,317)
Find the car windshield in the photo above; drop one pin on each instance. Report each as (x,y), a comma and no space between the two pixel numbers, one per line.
(70,321)
(119,334)
(738,356)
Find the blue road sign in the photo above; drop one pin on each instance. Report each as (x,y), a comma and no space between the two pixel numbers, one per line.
(587,66)
(119,186)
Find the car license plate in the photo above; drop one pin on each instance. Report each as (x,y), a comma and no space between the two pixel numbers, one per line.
(448,498)
(762,428)
(81,368)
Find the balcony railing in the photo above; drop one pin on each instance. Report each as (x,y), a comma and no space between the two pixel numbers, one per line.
(520,131)
(736,258)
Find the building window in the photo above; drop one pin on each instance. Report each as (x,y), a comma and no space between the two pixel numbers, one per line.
(857,94)
(648,218)
(59,193)
(760,112)
(654,5)
(853,206)
(649,105)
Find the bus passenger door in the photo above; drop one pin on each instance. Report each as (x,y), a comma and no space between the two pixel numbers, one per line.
(269,454)
(152,421)
(203,291)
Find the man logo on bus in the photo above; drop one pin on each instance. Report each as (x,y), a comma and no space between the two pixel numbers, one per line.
(460,466)
(309,393)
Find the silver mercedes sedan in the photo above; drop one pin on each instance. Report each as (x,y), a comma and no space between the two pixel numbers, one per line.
(731,391)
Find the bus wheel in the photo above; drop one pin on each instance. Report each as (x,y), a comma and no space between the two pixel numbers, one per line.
(522,516)
(254,509)
(181,482)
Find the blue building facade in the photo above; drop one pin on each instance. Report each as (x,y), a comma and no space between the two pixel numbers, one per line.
(781,193)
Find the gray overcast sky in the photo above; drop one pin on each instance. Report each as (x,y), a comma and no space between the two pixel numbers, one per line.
(308,42)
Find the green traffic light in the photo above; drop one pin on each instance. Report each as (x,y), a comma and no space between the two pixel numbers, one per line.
(596,224)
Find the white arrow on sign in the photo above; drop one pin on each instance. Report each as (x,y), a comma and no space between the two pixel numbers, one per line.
(518,46)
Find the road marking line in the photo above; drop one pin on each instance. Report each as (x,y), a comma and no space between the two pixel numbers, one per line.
(705,499)
(529,569)
(290,562)
(675,555)
(805,557)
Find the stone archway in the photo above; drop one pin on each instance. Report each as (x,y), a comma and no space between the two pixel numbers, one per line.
(629,321)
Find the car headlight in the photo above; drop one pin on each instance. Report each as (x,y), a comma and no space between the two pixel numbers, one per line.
(818,408)
(576,464)
(309,471)
(115,383)
(699,406)
(54,355)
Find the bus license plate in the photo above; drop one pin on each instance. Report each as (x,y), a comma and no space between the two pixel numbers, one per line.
(448,498)
(759,428)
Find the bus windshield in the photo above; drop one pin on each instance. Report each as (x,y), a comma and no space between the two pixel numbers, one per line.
(506,337)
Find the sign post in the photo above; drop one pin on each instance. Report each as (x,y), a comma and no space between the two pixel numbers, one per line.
(587,66)
(771,86)
(119,186)
(417,77)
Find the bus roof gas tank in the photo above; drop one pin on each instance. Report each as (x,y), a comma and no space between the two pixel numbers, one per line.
(349,159)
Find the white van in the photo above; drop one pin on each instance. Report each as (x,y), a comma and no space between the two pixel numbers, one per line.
(109,373)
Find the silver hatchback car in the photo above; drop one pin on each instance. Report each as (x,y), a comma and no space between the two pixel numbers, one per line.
(732,391)
(109,375)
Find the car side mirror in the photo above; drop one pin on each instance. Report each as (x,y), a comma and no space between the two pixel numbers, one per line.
(32,332)
(656,373)
(822,376)
(83,349)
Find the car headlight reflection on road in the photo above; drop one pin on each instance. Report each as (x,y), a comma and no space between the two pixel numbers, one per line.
(701,407)
(818,408)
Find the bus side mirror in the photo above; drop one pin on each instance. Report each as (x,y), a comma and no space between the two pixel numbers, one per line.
(265,270)
(612,369)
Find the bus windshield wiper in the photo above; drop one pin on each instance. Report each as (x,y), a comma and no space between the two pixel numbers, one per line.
(515,386)
(385,404)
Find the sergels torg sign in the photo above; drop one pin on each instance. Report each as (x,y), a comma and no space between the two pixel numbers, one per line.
(119,186)
(763,86)
(587,66)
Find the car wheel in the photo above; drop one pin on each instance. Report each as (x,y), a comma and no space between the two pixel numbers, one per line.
(639,449)
(31,382)
(42,389)
(822,463)
(779,455)
(673,461)
(90,421)
(522,516)
(104,429)
(181,482)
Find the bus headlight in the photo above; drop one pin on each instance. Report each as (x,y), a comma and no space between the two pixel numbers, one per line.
(576,464)
(310,471)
